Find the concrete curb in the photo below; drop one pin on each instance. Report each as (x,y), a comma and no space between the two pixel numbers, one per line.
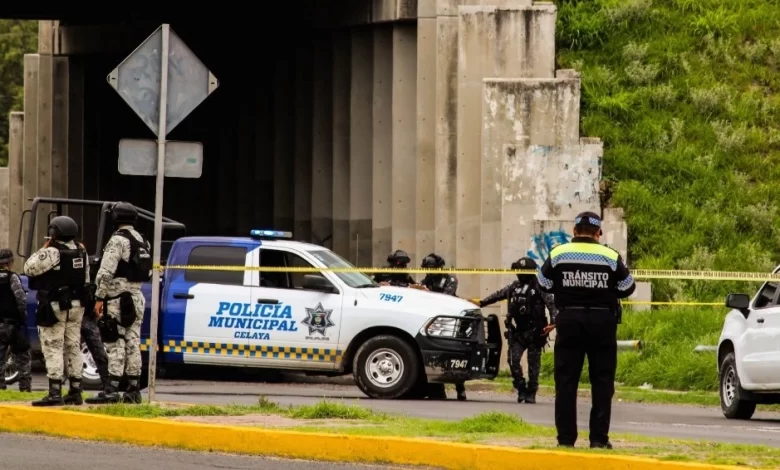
(313,446)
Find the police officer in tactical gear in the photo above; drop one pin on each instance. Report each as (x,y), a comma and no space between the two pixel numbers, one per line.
(588,279)
(397,259)
(527,333)
(443,283)
(59,272)
(126,264)
(13,323)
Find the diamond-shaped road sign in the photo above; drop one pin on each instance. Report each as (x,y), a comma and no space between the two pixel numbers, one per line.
(138,79)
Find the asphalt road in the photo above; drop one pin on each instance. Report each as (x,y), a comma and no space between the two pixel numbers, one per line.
(684,422)
(24,452)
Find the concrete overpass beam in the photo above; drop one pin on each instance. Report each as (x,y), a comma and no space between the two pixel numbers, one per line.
(31,72)
(342,77)
(382,144)
(75,139)
(425,211)
(16,203)
(303,141)
(44,138)
(284,144)
(361,146)
(404,171)
(322,142)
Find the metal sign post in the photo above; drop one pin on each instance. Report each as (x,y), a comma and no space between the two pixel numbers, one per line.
(162,97)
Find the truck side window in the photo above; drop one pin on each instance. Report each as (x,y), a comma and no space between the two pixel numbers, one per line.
(295,261)
(766,297)
(282,259)
(217,256)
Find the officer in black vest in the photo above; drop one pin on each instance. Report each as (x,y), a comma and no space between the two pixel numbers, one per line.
(588,279)
(526,310)
(60,273)
(13,323)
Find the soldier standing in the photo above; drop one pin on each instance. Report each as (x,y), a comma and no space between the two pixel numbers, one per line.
(59,272)
(446,284)
(13,323)
(125,265)
(526,309)
(588,280)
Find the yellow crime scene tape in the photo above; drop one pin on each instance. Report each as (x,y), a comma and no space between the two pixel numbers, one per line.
(637,274)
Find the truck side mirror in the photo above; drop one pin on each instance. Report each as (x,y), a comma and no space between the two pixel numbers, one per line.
(318,283)
(739,302)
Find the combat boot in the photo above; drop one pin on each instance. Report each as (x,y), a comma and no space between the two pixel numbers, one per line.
(25,385)
(530,396)
(54,398)
(109,395)
(521,392)
(460,389)
(74,393)
(133,393)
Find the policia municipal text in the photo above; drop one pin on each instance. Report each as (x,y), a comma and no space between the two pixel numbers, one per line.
(587,280)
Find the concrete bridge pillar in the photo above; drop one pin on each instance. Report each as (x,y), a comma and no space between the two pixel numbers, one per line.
(342,79)
(322,141)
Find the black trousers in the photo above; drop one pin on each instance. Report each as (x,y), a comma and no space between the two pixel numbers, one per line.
(580,333)
(90,334)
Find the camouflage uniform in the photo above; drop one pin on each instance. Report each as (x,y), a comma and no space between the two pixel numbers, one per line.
(526,334)
(64,337)
(15,336)
(124,355)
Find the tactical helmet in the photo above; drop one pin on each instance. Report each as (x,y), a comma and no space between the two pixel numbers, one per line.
(63,228)
(524,263)
(432,261)
(124,213)
(398,258)
(6,256)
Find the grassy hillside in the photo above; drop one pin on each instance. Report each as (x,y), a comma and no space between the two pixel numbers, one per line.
(684,95)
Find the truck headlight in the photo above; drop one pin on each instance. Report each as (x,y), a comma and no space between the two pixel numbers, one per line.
(441,327)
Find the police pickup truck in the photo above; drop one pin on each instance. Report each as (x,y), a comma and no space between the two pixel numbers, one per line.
(749,352)
(395,341)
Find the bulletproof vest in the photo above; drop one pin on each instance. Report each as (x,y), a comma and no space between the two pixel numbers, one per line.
(527,303)
(70,272)
(139,266)
(8,308)
(436,282)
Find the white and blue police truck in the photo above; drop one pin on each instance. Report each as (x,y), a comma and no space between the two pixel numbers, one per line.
(394,340)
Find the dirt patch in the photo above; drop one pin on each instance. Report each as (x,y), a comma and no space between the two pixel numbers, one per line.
(267,421)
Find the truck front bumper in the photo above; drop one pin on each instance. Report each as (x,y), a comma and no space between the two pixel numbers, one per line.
(468,348)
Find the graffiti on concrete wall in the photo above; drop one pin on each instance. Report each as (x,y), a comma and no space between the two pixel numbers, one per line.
(542,244)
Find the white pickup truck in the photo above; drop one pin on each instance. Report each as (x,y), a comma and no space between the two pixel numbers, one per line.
(749,352)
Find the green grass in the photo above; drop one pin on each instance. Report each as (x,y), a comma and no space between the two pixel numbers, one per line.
(684,95)
(488,428)
(15,395)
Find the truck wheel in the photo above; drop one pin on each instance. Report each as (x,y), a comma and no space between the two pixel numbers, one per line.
(386,367)
(90,378)
(11,373)
(731,404)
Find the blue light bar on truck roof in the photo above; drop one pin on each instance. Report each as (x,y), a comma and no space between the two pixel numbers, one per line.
(269,234)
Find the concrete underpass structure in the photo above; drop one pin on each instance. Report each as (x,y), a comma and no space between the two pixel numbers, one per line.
(368,126)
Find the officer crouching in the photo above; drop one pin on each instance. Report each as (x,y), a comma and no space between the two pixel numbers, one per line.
(60,273)
(398,259)
(588,279)
(443,283)
(13,323)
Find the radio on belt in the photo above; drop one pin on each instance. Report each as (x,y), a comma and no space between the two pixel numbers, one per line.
(269,234)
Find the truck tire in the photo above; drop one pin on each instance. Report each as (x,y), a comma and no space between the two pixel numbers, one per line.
(90,378)
(11,373)
(732,405)
(386,367)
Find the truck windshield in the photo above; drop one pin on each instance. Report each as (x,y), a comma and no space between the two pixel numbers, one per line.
(352,279)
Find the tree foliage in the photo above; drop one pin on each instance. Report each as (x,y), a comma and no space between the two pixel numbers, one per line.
(17,38)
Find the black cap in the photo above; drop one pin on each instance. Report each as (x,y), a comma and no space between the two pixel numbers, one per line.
(524,263)
(588,218)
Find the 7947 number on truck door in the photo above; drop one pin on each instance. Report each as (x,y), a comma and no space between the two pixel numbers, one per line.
(304,323)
